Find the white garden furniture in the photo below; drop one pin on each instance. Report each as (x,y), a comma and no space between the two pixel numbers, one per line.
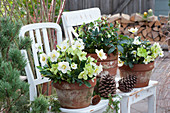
(75,18)
(36,38)
(138,94)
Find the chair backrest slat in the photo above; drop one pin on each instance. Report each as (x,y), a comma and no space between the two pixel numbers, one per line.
(75,18)
(35,55)
(45,37)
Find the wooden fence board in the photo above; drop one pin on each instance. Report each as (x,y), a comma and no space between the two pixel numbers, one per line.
(112,6)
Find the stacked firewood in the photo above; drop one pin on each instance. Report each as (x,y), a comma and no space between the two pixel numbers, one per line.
(148,28)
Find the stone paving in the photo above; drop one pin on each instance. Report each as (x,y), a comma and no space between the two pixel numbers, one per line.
(161,73)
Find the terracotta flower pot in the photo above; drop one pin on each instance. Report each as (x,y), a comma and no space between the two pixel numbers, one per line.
(142,71)
(109,65)
(74,96)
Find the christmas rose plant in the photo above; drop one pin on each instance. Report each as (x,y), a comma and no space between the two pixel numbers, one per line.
(100,34)
(70,64)
(137,51)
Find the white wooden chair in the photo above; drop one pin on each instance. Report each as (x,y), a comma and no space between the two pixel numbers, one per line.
(37,27)
(75,18)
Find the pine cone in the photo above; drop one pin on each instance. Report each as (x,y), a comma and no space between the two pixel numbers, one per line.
(107,85)
(96,99)
(127,84)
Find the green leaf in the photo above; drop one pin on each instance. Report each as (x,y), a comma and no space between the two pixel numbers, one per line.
(87,84)
(120,48)
(130,65)
(111,49)
(39,67)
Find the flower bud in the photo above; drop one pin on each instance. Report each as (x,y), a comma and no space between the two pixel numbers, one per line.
(145,14)
(150,11)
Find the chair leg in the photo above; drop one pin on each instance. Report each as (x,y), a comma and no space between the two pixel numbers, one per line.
(152,102)
(125,105)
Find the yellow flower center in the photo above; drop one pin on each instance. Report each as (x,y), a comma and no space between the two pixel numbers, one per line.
(64,66)
(133,31)
(64,47)
(53,56)
(96,70)
(78,45)
(43,58)
(100,54)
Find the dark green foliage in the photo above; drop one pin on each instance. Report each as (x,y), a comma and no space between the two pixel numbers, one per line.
(14,93)
(127,55)
(42,103)
(99,34)
(54,103)
(39,105)
(17,59)
(12,89)
(113,104)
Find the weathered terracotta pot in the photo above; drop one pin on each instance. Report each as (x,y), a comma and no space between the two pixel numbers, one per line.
(73,96)
(142,71)
(109,65)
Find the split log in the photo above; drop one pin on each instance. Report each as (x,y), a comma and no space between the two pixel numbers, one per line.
(126,32)
(151,23)
(150,35)
(153,18)
(157,38)
(114,17)
(136,17)
(141,23)
(137,26)
(155,28)
(140,34)
(144,32)
(124,25)
(125,18)
(140,29)
(163,20)
(163,39)
(154,34)
(157,23)
(148,29)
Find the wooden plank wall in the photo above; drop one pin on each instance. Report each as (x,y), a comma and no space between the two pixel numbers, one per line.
(112,6)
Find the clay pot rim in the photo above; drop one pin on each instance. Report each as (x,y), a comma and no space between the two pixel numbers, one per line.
(138,67)
(73,86)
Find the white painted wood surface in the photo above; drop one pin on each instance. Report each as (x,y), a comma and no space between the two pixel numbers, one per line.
(36,38)
(75,18)
(99,108)
(138,94)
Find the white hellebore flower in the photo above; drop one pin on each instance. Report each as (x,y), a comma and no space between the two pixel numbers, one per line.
(98,69)
(74,66)
(78,44)
(136,41)
(161,54)
(38,47)
(132,30)
(134,52)
(54,55)
(43,58)
(64,47)
(63,66)
(101,54)
(120,63)
(148,59)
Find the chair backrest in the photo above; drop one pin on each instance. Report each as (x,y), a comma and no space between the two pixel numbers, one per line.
(75,18)
(38,34)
